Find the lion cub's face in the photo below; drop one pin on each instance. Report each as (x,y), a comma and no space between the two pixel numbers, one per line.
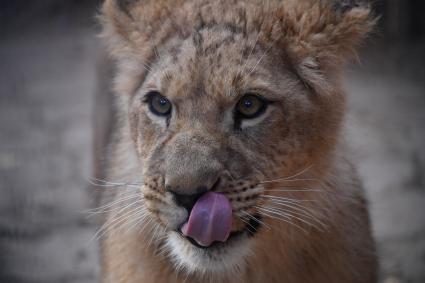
(227,99)
(221,111)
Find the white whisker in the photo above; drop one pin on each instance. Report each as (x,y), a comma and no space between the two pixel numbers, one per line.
(137,219)
(289,189)
(247,223)
(108,207)
(278,216)
(117,219)
(300,213)
(103,183)
(292,214)
(250,53)
(291,200)
(255,219)
(279,180)
(292,177)
(294,205)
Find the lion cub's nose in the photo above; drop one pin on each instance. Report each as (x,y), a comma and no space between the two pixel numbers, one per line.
(188,201)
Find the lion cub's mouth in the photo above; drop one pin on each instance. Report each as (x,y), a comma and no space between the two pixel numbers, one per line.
(210,219)
(249,230)
(210,222)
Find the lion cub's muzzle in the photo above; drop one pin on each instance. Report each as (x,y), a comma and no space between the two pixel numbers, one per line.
(194,178)
(209,214)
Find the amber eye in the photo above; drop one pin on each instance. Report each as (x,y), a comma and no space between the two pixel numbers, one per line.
(158,104)
(250,106)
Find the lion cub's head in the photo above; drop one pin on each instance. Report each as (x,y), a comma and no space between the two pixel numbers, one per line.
(226,101)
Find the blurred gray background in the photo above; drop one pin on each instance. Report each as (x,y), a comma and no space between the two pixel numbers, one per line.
(48,53)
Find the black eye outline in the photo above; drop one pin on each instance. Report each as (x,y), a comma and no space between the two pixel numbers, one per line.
(154,96)
(264,104)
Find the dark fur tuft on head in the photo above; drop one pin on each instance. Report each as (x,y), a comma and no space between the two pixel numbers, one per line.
(124,5)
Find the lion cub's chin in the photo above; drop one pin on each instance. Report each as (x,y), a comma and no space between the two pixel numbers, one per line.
(220,258)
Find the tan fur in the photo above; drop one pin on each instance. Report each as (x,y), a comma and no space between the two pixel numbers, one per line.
(203,55)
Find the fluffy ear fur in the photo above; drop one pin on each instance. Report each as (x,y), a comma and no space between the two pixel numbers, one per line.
(131,31)
(134,27)
(320,36)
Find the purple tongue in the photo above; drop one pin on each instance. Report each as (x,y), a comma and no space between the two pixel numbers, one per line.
(210,219)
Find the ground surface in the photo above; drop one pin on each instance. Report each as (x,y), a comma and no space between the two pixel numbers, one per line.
(47,83)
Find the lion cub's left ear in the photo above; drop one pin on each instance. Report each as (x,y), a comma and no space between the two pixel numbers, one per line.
(322,37)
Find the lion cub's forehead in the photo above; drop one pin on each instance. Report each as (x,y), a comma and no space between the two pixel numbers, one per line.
(215,62)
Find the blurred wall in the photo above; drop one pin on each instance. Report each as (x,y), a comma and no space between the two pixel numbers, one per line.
(19,15)
(402,20)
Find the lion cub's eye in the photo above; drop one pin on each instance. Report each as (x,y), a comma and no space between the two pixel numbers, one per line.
(158,104)
(250,106)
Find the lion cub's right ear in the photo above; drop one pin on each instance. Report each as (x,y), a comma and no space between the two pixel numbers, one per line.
(130,32)
(130,27)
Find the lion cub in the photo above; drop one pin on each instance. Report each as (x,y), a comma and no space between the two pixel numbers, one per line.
(225,151)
